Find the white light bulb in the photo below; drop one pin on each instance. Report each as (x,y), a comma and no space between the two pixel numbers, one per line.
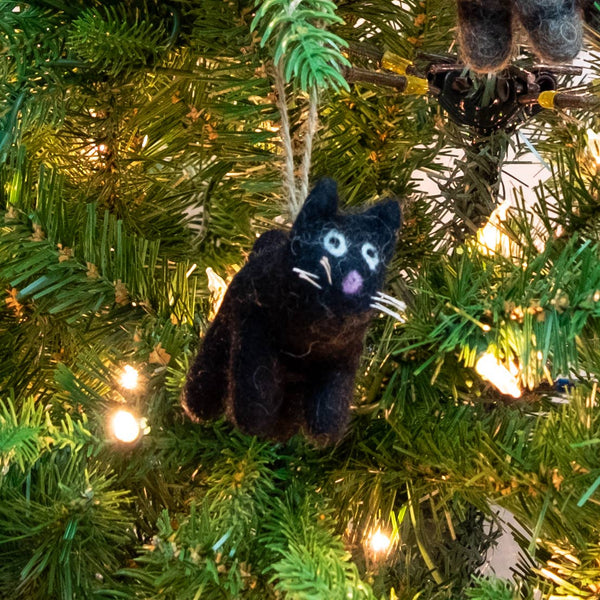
(491,238)
(594,145)
(129,377)
(379,542)
(125,427)
(492,370)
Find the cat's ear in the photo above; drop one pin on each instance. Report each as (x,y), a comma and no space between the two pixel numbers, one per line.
(387,211)
(321,203)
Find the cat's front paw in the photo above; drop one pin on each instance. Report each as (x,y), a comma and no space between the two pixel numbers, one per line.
(201,401)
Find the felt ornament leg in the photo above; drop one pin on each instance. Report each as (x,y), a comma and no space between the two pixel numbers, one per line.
(555,27)
(257,391)
(327,405)
(485,33)
(204,393)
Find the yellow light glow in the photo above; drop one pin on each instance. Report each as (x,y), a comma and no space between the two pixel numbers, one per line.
(593,145)
(492,370)
(491,239)
(129,378)
(125,427)
(94,152)
(379,542)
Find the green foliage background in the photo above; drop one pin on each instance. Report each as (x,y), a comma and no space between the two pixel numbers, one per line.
(139,145)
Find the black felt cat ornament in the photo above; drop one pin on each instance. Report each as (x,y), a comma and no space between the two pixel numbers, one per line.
(283,350)
(486,30)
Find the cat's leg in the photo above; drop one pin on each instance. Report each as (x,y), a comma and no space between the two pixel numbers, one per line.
(327,404)
(203,396)
(257,390)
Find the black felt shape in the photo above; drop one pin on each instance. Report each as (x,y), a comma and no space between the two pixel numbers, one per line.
(486,27)
(282,352)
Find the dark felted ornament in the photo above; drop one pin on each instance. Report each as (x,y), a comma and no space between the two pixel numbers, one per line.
(485,33)
(283,350)
(485,30)
(554,26)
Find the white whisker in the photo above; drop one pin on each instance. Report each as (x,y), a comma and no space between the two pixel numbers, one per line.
(387,311)
(305,273)
(306,278)
(325,262)
(381,297)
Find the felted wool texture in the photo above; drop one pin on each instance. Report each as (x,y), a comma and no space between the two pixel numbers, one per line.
(555,28)
(485,33)
(282,352)
(486,30)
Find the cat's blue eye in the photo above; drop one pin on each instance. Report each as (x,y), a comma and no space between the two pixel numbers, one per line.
(370,254)
(335,243)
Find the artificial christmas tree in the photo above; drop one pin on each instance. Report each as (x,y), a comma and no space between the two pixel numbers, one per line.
(144,147)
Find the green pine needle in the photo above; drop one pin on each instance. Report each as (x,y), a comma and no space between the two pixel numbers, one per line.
(310,55)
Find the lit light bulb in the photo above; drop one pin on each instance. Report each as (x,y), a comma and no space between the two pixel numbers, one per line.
(92,151)
(125,427)
(379,542)
(491,238)
(593,145)
(492,370)
(129,378)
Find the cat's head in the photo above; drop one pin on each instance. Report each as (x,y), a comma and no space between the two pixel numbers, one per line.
(341,258)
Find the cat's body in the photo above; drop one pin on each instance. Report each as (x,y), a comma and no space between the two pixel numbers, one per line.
(283,351)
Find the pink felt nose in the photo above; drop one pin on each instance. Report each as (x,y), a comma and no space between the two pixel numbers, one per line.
(352,283)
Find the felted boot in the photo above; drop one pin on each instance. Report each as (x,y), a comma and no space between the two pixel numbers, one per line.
(554,26)
(485,33)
